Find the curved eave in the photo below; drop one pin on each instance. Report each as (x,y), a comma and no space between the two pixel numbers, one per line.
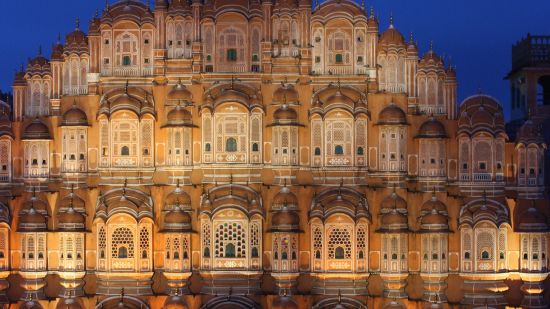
(182,125)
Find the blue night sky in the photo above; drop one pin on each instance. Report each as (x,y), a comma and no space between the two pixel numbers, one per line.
(477,34)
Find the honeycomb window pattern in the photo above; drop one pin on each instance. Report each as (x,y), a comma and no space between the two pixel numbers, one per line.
(122,237)
(230,240)
(339,237)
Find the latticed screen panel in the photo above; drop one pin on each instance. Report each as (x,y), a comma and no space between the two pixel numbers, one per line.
(339,244)
(122,243)
(230,240)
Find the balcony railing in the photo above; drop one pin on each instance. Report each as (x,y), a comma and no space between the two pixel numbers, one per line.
(75,90)
(430,109)
(231,68)
(534,50)
(127,71)
(482,177)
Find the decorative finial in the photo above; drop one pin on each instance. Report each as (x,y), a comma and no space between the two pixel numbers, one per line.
(431,45)
(77,24)
(363,4)
(40,50)
(391,20)
(106,4)
(371,11)
(96,13)
(411,38)
(59,38)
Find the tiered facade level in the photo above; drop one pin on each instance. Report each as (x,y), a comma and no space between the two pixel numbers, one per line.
(261,154)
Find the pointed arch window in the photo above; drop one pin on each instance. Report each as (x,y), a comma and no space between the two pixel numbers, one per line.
(231,145)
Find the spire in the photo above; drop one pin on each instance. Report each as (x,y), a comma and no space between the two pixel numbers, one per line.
(371,11)
(391,20)
(411,38)
(59,38)
(40,50)
(431,46)
(77,24)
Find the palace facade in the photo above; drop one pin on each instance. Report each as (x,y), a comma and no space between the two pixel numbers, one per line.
(262,154)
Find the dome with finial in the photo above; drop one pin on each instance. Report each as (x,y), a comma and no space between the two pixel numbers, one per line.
(69,303)
(39,65)
(76,42)
(393,214)
(481,113)
(530,133)
(71,215)
(284,302)
(531,220)
(392,115)
(432,128)
(175,302)
(180,93)
(179,7)
(284,208)
(19,78)
(74,117)
(179,116)
(431,59)
(177,207)
(36,130)
(57,51)
(33,215)
(434,216)
(286,93)
(393,305)
(133,10)
(391,37)
(285,115)
(31,304)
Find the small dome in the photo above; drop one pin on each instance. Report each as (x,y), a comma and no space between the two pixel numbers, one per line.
(71,216)
(32,220)
(175,302)
(532,220)
(392,115)
(177,216)
(127,99)
(394,218)
(57,52)
(434,203)
(36,130)
(391,37)
(285,113)
(432,128)
(285,217)
(74,117)
(393,201)
(434,218)
(339,98)
(393,305)
(284,302)
(180,93)
(31,304)
(285,94)
(482,117)
(285,197)
(179,116)
(69,303)
(530,133)
(431,59)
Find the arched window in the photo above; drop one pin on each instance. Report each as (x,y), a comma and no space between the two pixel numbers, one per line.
(231,145)
(125,151)
(339,253)
(338,150)
(317,254)
(230,250)
(206,252)
(360,151)
(317,151)
(255,253)
(485,255)
(122,253)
